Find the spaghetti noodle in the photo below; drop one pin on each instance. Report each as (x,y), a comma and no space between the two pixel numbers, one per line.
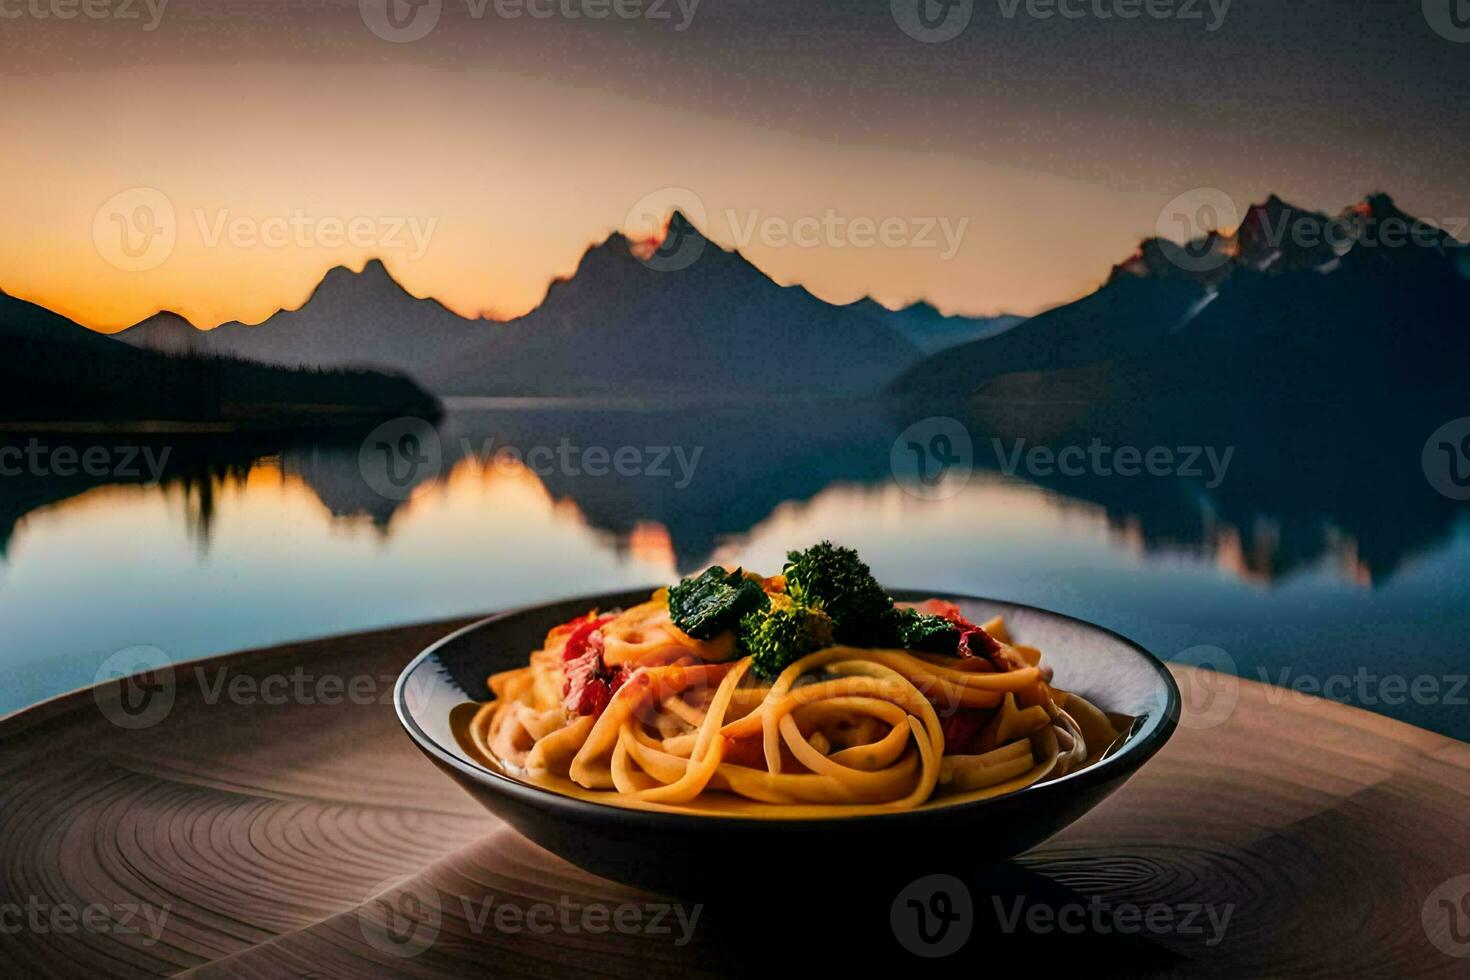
(628,708)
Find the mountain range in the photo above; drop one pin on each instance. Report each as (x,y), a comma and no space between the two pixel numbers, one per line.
(351,320)
(625,322)
(1292,304)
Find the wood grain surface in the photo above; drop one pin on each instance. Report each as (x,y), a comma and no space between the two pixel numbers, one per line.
(275,821)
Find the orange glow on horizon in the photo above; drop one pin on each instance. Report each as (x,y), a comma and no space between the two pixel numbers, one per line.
(274,141)
(295,290)
(494,228)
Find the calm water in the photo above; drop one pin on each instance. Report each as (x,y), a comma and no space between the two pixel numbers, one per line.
(1319,554)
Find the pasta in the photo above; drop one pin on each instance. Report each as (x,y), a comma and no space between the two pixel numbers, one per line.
(628,708)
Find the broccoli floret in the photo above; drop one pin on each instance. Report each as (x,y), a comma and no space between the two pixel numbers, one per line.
(706,605)
(920,631)
(836,580)
(781,634)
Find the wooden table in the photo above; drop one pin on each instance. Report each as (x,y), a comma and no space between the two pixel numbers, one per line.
(270,828)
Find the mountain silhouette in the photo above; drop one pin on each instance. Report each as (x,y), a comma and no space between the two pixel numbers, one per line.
(22,321)
(931,330)
(1123,318)
(351,320)
(685,318)
(55,370)
(168,332)
(1292,304)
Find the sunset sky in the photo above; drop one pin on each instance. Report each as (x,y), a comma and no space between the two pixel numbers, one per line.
(510,144)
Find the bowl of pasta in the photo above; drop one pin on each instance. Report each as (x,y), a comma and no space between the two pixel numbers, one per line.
(668,737)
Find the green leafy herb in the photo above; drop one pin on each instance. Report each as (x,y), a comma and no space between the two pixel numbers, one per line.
(706,605)
(920,631)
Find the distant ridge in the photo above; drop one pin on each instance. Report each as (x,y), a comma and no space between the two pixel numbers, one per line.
(351,319)
(1292,304)
(53,370)
(623,296)
(683,317)
(166,332)
(931,330)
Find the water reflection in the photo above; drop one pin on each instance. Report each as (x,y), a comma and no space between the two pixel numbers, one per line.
(1334,484)
(1320,539)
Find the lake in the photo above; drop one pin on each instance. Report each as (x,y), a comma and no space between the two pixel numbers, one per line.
(1306,546)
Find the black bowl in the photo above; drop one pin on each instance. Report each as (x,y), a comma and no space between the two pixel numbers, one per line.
(692,854)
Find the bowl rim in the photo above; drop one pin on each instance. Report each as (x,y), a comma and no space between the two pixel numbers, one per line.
(1136,751)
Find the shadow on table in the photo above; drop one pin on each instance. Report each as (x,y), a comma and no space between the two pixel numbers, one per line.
(967,921)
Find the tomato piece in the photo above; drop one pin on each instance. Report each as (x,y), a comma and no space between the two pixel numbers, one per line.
(974,641)
(589,685)
(962,729)
(581,635)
